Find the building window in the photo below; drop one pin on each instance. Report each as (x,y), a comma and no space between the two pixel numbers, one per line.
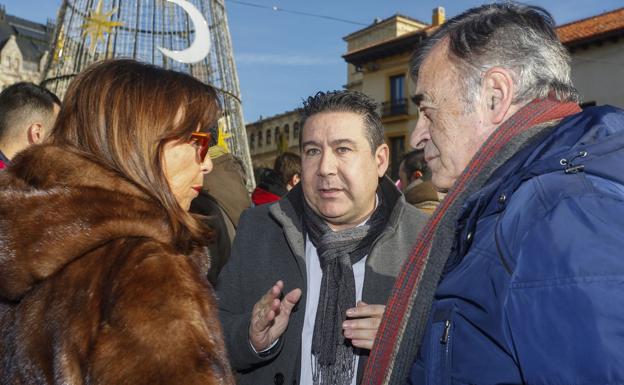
(259,138)
(296,131)
(397,91)
(268,136)
(252,140)
(397,105)
(277,135)
(287,132)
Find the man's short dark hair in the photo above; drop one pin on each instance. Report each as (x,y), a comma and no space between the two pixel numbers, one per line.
(288,165)
(20,100)
(346,101)
(415,161)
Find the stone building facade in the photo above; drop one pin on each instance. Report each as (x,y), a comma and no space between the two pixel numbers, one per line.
(24,49)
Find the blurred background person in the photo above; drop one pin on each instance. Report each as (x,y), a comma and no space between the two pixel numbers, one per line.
(288,165)
(27,114)
(103,268)
(269,186)
(272,184)
(221,202)
(415,178)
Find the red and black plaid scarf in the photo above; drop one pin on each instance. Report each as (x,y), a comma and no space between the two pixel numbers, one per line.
(407,311)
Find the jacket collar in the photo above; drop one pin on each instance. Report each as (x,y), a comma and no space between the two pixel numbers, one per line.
(596,131)
(58,205)
(288,212)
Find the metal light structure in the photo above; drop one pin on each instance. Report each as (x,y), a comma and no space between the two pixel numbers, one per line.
(190,36)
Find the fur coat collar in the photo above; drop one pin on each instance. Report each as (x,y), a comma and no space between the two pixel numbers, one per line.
(92,290)
(56,205)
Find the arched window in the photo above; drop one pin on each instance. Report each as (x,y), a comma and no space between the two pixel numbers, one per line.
(259,138)
(268,136)
(287,132)
(252,140)
(277,134)
(296,131)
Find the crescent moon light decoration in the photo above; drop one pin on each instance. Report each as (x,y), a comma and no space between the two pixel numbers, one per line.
(200,48)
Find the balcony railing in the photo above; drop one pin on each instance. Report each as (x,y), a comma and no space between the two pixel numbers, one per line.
(394,107)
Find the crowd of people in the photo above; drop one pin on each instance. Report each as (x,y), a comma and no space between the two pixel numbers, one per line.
(131,251)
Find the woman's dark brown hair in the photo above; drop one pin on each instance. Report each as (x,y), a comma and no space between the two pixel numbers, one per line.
(122,112)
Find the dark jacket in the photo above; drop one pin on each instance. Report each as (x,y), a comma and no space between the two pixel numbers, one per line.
(534,290)
(423,196)
(222,200)
(226,184)
(269,246)
(92,288)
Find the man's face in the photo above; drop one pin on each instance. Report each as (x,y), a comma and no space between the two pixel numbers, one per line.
(449,134)
(340,173)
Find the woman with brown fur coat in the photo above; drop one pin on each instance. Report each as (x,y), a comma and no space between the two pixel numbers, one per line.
(102,269)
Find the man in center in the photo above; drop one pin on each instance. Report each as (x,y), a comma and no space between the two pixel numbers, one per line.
(306,285)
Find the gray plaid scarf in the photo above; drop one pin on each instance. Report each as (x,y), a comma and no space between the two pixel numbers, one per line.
(332,354)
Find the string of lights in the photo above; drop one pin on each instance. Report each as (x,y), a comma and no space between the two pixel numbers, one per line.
(278,9)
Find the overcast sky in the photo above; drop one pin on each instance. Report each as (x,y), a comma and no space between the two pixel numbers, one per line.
(284,57)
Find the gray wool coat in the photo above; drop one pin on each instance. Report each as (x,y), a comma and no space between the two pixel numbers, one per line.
(269,246)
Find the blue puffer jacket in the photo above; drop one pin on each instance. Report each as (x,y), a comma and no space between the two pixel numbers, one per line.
(534,290)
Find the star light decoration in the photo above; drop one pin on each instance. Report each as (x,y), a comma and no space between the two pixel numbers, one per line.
(60,45)
(221,147)
(223,136)
(98,23)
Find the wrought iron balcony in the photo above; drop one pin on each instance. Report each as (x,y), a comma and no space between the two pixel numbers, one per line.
(394,107)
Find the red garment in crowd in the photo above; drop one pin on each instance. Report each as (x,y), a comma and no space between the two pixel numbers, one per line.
(2,164)
(260,196)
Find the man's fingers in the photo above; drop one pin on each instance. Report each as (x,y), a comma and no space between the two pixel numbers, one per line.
(362,323)
(264,314)
(274,292)
(360,334)
(363,344)
(290,300)
(363,310)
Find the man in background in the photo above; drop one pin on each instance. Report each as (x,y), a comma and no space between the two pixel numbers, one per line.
(27,114)
(288,165)
(221,201)
(416,184)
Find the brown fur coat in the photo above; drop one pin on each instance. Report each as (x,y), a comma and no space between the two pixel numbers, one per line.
(91,289)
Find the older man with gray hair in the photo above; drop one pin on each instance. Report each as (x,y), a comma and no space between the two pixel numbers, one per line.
(519,276)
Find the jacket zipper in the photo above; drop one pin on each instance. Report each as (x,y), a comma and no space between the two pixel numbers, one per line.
(445,333)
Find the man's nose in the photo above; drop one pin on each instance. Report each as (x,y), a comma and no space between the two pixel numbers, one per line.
(327,165)
(420,135)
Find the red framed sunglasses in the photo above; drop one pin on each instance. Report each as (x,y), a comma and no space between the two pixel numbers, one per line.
(201,141)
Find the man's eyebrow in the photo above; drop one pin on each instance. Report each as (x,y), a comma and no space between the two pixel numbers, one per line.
(309,143)
(338,142)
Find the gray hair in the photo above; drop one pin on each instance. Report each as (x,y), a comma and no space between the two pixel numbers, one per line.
(510,35)
(346,101)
